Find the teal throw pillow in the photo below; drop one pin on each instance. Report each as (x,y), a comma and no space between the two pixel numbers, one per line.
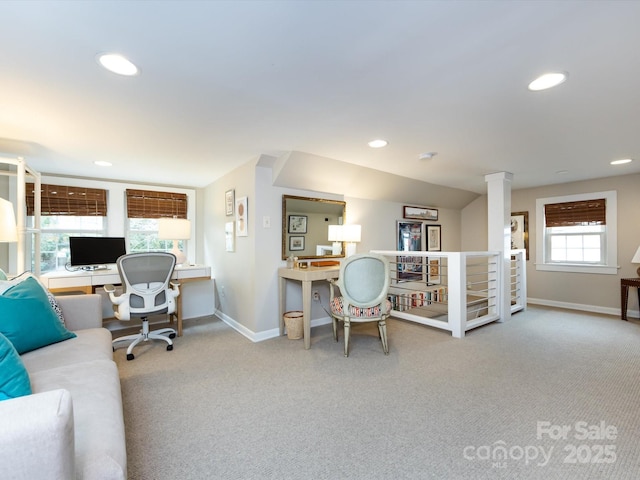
(3,276)
(27,319)
(14,379)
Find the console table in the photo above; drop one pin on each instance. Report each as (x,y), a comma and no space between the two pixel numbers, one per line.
(625,283)
(306,276)
(87,281)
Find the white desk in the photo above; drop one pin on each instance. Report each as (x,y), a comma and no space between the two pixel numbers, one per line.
(306,276)
(87,281)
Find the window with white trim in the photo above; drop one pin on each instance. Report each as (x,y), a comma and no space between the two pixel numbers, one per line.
(144,207)
(577,233)
(65,211)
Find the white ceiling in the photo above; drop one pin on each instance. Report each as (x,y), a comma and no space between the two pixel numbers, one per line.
(224,82)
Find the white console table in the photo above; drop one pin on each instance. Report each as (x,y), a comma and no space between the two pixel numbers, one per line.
(87,281)
(306,276)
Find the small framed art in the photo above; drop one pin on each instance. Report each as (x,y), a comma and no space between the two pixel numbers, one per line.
(297,224)
(241,217)
(420,213)
(229,202)
(520,231)
(434,237)
(229,237)
(296,243)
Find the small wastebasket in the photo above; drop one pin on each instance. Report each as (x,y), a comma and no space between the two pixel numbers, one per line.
(293,322)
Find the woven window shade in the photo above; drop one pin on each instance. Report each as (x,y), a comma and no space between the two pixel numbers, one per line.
(571,214)
(71,201)
(150,204)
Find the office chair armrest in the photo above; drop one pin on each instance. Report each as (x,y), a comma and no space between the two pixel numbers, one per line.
(175,288)
(111,290)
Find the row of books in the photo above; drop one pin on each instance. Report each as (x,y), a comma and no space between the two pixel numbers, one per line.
(406,301)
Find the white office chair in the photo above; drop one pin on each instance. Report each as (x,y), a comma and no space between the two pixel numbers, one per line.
(364,284)
(147,291)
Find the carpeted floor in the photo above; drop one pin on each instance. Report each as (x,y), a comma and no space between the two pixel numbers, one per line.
(550,394)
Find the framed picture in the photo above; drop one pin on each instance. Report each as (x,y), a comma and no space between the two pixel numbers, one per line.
(409,238)
(297,224)
(420,213)
(296,243)
(229,202)
(433,277)
(241,217)
(229,237)
(520,231)
(434,237)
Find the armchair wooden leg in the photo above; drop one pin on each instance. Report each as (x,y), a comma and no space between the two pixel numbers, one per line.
(382,329)
(335,328)
(347,328)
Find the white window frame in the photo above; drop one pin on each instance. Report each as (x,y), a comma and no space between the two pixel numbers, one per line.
(71,232)
(610,257)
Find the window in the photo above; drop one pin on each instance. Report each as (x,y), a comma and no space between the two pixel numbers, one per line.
(65,211)
(144,207)
(577,233)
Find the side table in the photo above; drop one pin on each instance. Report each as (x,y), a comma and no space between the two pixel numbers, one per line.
(625,283)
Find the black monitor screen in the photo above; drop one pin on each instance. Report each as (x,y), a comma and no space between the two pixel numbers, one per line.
(96,250)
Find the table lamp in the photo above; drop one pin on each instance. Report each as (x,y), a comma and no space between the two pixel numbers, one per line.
(175,229)
(335,236)
(636,259)
(351,235)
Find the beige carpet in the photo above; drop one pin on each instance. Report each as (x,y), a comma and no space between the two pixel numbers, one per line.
(221,407)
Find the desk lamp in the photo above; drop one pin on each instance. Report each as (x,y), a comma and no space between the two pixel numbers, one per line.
(335,236)
(351,235)
(636,259)
(8,229)
(175,229)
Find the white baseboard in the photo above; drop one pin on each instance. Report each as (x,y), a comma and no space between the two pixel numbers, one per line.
(582,307)
(267,334)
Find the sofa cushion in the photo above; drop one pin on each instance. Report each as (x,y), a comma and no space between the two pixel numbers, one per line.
(27,319)
(14,379)
(89,344)
(97,410)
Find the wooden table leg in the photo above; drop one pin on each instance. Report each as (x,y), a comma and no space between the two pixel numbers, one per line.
(282,301)
(306,312)
(624,299)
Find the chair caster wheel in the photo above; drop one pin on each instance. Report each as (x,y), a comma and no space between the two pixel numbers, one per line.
(169,348)
(130,356)
(172,335)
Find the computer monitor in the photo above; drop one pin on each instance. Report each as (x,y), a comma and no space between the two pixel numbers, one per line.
(91,252)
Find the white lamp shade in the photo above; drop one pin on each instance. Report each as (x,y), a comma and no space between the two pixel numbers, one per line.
(8,229)
(636,257)
(351,233)
(174,229)
(335,233)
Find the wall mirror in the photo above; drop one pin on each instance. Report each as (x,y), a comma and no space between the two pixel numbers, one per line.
(305,226)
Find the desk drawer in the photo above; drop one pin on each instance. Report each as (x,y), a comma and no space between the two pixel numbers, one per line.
(192,273)
(112,279)
(54,283)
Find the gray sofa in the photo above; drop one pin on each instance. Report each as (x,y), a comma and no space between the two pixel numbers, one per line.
(71,426)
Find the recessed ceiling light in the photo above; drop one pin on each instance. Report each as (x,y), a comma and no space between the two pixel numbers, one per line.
(378,143)
(562,172)
(427,155)
(548,80)
(622,161)
(117,64)
(103,163)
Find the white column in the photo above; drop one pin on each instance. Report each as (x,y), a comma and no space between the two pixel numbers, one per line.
(499,227)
